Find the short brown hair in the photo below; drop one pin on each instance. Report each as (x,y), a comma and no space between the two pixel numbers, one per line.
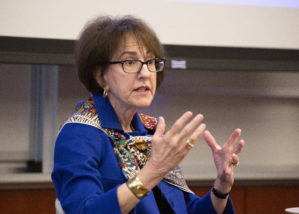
(100,39)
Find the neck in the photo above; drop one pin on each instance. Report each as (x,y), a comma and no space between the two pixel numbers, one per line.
(125,120)
(125,116)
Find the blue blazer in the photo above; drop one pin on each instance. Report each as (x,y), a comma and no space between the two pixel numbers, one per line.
(87,174)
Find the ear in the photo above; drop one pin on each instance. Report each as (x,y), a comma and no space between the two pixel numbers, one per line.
(99,78)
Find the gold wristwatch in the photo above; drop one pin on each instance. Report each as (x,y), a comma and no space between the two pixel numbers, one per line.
(137,187)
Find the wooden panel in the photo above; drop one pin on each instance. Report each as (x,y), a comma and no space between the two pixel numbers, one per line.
(271,199)
(238,197)
(200,191)
(246,199)
(27,201)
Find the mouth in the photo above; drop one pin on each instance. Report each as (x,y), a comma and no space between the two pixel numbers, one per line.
(142,89)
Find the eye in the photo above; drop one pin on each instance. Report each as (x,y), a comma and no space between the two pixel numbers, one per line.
(130,62)
(151,61)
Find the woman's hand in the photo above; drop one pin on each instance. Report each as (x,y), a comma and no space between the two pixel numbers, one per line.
(170,148)
(225,158)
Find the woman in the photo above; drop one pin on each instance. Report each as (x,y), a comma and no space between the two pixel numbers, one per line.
(111,159)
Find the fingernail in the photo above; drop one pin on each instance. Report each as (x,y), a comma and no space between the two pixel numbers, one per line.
(201,115)
(197,117)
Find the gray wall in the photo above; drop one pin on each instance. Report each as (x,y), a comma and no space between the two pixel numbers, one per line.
(265,105)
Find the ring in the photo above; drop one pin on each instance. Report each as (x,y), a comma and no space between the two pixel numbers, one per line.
(191,145)
(235,164)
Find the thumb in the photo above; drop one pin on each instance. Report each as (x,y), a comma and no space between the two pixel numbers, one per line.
(160,129)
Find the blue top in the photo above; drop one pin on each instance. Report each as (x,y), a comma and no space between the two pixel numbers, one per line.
(87,174)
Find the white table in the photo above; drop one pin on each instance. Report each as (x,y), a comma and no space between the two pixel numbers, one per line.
(294,210)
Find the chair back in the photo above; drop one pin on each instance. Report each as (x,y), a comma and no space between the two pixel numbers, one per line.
(58,207)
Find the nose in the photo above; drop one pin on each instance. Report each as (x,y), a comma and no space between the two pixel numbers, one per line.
(144,72)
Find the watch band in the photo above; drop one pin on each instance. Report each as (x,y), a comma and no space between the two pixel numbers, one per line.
(219,194)
(137,187)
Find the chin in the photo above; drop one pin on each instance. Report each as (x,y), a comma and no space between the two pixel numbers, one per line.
(143,104)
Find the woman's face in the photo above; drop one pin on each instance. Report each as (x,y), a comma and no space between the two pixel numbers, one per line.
(130,91)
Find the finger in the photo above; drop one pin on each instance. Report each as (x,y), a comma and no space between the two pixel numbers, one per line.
(179,123)
(192,140)
(191,126)
(234,160)
(160,129)
(234,137)
(197,134)
(210,140)
(239,146)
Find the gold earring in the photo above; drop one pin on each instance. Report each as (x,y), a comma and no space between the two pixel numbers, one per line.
(105,93)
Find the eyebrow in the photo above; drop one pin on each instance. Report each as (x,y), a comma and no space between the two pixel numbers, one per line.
(132,53)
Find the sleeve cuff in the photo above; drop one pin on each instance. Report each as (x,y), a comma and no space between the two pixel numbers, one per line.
(106,203)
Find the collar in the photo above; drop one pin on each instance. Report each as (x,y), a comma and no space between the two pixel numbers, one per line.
(109,119)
